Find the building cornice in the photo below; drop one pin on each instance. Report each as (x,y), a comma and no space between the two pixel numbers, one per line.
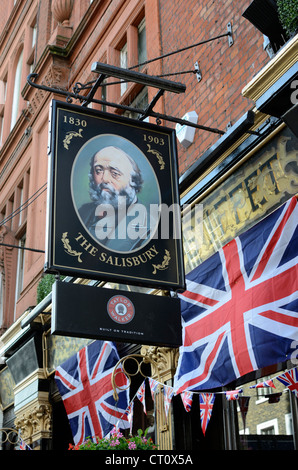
(273,71)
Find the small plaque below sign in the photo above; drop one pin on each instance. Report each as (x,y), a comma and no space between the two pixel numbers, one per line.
(99,313)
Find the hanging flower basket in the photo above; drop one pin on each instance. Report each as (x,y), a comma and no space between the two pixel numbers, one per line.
(116,441)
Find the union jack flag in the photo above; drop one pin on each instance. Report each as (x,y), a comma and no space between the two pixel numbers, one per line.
(206,406)
(129,413)
(24,446)
(239,311)
(290,380)
(186,398)
(266,383)
(153,384)
(84,382)
(233,394)
(141,395)
(168,393)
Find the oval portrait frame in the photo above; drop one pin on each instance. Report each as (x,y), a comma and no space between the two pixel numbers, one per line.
(79,179)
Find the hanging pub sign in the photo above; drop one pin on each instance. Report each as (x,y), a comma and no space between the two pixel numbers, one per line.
(113,203)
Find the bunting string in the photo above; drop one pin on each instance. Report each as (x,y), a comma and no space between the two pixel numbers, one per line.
(288,378)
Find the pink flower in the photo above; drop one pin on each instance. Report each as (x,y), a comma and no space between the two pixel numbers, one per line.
(132,445)
(115,443)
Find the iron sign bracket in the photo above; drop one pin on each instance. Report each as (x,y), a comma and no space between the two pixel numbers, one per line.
(85,100)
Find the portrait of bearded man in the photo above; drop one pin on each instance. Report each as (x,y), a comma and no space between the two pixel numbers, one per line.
(114,183)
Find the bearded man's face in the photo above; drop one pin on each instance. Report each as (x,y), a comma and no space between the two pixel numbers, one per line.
(112,176)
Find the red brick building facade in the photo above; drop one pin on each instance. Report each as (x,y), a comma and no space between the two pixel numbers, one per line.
(59,40)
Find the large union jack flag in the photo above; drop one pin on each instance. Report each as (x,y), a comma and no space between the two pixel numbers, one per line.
(240,309)
(84,382)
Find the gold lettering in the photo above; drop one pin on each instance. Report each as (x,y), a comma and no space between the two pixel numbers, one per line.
(93,251)
(124,262)
(103,257)
(84,243)
(154,251)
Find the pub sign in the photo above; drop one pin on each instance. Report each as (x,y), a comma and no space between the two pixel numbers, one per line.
(113,201)
(101,313)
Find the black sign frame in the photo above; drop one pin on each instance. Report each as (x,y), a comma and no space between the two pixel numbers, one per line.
(82,311)
(76,133)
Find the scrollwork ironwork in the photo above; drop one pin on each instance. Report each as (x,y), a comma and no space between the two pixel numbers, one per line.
(6,436)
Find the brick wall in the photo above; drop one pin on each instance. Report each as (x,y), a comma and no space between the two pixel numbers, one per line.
(225,70)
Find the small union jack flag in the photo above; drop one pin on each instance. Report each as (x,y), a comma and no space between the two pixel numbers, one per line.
(206,406)
(233,394)
(84,382)
(24,446)
(168,393)
(290,380)
(153,384)
(266,383)
(141,395)
(129,413)
(240,309)
(186,398)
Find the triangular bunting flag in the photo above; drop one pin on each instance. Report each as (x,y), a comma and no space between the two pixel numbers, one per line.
(274,397)
(129,413)
(290,380)
(186,398)
(206,405)
(243,403)
(168,395)
(153,386)
(24,446)
(266,383)
(233,394)
(141,396)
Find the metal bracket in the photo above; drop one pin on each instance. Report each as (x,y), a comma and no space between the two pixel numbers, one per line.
(198,71)
(230,34)
(148,112)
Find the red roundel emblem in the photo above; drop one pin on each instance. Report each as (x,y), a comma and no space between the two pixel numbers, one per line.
(120,309)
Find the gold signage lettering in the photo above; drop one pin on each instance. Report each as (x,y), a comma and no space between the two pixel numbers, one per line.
(92,250)
(259,185)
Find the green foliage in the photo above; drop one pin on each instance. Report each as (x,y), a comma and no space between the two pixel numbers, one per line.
(288,15)
(116,441)
(45,286)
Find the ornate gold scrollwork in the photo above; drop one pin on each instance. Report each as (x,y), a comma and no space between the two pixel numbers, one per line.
(68,248)
(120,369)
(6,435)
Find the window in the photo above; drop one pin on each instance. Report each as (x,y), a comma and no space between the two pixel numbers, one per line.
(130,51)
(1,298)
(268,427)
(1,128)
(141,102)
(31,58)
(123,65)
(103,95)
(142,49)
(3,90)
(16,91)
(262,392)
(20,266)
